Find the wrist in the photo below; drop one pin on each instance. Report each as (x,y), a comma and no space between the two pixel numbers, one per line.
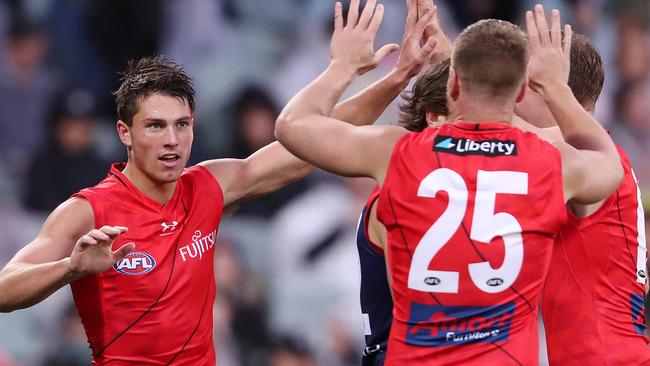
(71,272)
(343,70)
(399,77)
(554,90)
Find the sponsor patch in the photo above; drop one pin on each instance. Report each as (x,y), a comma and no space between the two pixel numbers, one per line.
(464,146)
(135,263)
(438,325)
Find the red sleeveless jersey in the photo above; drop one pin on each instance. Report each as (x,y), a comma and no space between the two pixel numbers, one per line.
(471,212)
(593,303)
(155,306)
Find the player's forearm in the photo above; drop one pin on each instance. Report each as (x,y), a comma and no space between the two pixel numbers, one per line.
(319,97)
(23,284)
(365,107)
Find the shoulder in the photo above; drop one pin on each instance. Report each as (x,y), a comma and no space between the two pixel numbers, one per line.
(76,211)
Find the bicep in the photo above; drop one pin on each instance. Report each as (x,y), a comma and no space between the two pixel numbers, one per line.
(56,240)
(268,169)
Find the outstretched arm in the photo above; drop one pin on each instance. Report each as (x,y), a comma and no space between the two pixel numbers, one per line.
(590,162)
(304,126)
(273,167)
(67,248)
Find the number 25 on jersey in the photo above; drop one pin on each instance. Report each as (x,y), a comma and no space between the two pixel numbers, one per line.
(486,225)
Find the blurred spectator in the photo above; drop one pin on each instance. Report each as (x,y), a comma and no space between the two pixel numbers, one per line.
(467,12)
(633,55)
(313,238)
(71,347)
(137,35)
(241,326)
(254,114)
(26,86)
(68,161)
(631,130)
(291,351)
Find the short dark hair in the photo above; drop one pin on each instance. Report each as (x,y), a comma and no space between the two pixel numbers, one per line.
(147,76)
(429,93)
(491,58)
(587,74)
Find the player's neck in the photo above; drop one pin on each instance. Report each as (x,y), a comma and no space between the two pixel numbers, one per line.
(472,111)
(159,192)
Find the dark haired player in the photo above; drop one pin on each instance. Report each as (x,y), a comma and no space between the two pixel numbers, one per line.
(145,295)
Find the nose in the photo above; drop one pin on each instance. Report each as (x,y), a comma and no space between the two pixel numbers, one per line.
(172,137)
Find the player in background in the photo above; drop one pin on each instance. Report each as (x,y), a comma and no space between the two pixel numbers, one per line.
(427,96)
(375,297)
(468,312)
(593,299)
(145,296)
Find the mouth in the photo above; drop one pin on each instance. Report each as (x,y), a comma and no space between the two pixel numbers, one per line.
(169,160)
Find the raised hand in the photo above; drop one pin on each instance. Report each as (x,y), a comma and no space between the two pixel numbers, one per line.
(413,57)
(434,30)
(353,43)
(93,254)
(549,52)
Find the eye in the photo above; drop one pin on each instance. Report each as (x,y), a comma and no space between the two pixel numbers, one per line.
(155,125)
(183,124)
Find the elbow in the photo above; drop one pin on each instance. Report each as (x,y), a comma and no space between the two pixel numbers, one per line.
(283,125)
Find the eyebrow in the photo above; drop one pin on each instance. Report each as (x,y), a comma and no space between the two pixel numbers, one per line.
(161,120)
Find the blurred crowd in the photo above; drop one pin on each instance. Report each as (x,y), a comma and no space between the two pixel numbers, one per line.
(286,266)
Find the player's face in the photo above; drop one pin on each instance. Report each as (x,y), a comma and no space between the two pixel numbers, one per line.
(161,137)
(533,109)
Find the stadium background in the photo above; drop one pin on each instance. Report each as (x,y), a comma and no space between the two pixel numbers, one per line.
(286,265)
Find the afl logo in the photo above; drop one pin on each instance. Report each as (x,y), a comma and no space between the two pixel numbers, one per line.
(494,282)
(432,281)
(641,273)
(135,263)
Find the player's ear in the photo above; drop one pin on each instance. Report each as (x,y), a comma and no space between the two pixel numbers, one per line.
(453,84)
(522,91)
(124,132)
(432,118)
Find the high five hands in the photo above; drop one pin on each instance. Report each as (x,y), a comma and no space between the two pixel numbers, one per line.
(352,43)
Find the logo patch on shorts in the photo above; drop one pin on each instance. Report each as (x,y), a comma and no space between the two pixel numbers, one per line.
(464,146)
(437,325)
(135,263)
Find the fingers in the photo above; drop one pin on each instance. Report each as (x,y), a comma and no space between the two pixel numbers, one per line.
(376,19)
(568,37)
(542,26)
(556,36)
(367,14)
(422,23)
(113,231)
(531,28)
(124,250)
(385,51)
(424,6)
(86,240)
(353,14)
(412,16)
(338,16)
(428,47)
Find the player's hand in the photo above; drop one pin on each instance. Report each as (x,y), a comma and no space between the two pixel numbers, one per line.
(413,57)
(352,44)
(549,53)
(93,254)
(434,30)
